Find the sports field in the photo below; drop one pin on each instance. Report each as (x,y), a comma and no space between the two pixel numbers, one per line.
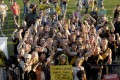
(109,5)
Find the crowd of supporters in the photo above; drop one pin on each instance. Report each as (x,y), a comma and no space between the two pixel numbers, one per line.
(48,35)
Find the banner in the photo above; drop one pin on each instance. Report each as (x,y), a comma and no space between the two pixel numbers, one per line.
(3,45)
(61,72)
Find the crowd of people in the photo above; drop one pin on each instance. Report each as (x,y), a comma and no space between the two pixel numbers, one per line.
(49,36)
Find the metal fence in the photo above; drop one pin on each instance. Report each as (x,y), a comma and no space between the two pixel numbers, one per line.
(113,69)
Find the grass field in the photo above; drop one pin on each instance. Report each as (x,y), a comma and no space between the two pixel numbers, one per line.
(109,5)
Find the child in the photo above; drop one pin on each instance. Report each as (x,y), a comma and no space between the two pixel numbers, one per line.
(77,68)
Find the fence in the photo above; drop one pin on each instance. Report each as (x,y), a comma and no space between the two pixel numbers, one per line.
(114,70)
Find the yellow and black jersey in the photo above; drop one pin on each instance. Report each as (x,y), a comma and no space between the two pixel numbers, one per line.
(105,54)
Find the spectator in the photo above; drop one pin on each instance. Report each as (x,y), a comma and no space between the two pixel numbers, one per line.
(79,5)
(64,6)
(79,40)
(16,12)
(26,6)
(26,67)
(102,12)
(11,1)
(117,25)
(77,68)
(116,12)
(81,75)
(100,3)
(107,59)
(31,16)
(96,59)
(86,6)
(3,13)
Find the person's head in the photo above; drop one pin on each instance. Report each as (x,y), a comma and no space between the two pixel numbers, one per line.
(63,59)
(54,16)
(95,9)
(91,38)
(102,7)
(97,50)
(42,57)
(104,42)
(40,29)
(118,40)
(78,62)
(105,26)
(27,57)
(74,47)
(79,40)
(27,48)
(81,75)
(58,35)
(55,43)
(42,41)
(72,37)
(47,28)
(103,19)
(112,37)
(93,30)
(88,20)
(77,32)
(49,42)
(34,57)
(81,49)
(24,24)
(2,1)
(50,63)
(30,39)
(14,3)
(118,7)
(21,51)
(118,19)
(34,54)
(72,27)
(16,34)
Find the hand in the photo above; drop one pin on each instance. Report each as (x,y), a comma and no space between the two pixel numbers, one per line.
(117,34)
(36,38)
(21,30)
(39,63)
(100,30)
(68,20)
(111,22)
(40,49)
(45,44)
(16,30)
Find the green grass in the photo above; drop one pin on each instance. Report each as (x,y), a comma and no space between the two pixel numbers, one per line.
(109,5)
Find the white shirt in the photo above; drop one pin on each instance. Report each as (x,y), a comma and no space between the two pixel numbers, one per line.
(42,75)
(22,65)
(75,70)
(3,8)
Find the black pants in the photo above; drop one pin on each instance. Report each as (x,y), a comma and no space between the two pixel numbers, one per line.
(96,74)
(32,75)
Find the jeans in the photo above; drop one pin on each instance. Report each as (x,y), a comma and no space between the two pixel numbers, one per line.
(25,9)
(64,7)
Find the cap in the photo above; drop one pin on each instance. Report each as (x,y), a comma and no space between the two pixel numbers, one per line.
(27,56)
(59,49)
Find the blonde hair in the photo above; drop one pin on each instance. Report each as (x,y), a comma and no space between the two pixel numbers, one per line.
(35,57)
(79,60)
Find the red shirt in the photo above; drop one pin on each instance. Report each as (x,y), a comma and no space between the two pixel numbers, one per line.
(15,9)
